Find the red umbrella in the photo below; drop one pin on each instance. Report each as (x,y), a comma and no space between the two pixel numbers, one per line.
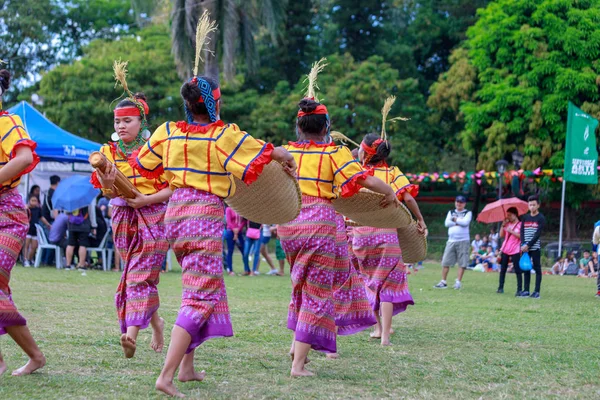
(496,211)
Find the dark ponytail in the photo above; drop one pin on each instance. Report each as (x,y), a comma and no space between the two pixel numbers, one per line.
(4,80)
(383,149)
(311,124)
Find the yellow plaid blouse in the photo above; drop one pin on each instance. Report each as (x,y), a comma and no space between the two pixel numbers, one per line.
(326,170)
(144,185)
(203,157)
(396,179)
(13,135)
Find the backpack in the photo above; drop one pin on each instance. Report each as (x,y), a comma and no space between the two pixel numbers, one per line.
(76,218)
(572,269)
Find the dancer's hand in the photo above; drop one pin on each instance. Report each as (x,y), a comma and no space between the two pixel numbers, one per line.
(421,227)
(284,157)
(108,177)
(390,199)
(138,201)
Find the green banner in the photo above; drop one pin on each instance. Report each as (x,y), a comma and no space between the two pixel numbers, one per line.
(581,155)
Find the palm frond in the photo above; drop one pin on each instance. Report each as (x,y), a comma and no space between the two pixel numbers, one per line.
(312,78)
(120,73)
(340,137)
(205,27)
(385,111)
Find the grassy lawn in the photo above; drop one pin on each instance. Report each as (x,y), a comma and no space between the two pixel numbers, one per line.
(469,344)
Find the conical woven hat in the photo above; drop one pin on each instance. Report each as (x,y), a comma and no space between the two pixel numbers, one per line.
(412,243)
(274,198)
(365,209)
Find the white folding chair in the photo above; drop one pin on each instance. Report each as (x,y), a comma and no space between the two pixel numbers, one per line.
(44,244)
(104,251)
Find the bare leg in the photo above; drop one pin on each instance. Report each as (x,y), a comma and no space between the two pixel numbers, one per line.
(69,255)
(387,309)
(129,340)
(264,252)
(376,334)
(292,352)
(186,369)
(281,267)
(32,248)
(82,256)
(445,271)
(332,356)
(300,352)
(461,272)
(21,335)
(2,365)
(158,335)
(180,340)
(117,261)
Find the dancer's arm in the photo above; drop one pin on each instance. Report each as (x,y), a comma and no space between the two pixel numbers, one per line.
(22,159)
(379,186)
(412,205)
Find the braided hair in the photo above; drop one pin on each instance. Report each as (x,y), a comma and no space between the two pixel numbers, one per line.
(198,98)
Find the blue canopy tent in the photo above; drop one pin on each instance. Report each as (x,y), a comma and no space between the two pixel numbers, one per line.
(53,142)
(61,153)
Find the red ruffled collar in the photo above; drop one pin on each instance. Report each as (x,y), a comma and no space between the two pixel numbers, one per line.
(309,143)
(381,164)
(184,127)
(2,112)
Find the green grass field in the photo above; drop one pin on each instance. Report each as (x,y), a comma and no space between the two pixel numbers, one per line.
(466,344)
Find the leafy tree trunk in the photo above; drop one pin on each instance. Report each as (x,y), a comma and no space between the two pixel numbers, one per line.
(477,200)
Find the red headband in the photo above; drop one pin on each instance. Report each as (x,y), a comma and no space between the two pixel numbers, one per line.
(372,149)
(132,111)
(320,110)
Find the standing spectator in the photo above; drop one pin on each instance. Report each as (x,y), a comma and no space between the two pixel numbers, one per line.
(584,268)
(531,229)
(234,225)
(511,233)
(494,238)
(31,243)
(252,247)
(280,255)
(48,216)
(265,238)
(457,247)
(81,223)
(34,192)
(596,236)
(476,244)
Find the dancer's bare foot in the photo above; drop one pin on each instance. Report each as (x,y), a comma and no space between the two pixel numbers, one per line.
(375,335)
(332,356)
(32,365)
(303,372)
(168,388)
(385,342)
(189,376)
(2,367)
(128,345)
(158,337)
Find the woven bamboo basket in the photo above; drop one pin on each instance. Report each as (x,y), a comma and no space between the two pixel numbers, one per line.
(274,198)
(412,243)
(364,208)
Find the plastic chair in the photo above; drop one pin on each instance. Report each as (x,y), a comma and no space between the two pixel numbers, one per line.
(104,251)
(44,244)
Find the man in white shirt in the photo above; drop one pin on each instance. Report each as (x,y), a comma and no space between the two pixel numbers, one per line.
(458,247)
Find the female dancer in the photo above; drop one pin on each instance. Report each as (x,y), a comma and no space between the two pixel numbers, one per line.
(377,250)
(198,155)
(17,157)
(310,240)
(138,224)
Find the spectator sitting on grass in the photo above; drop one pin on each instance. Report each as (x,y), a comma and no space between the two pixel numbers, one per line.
(584,268)
(560,266)
(476,244)
(490,260)
(593,264)
(572,268)
(484,245)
